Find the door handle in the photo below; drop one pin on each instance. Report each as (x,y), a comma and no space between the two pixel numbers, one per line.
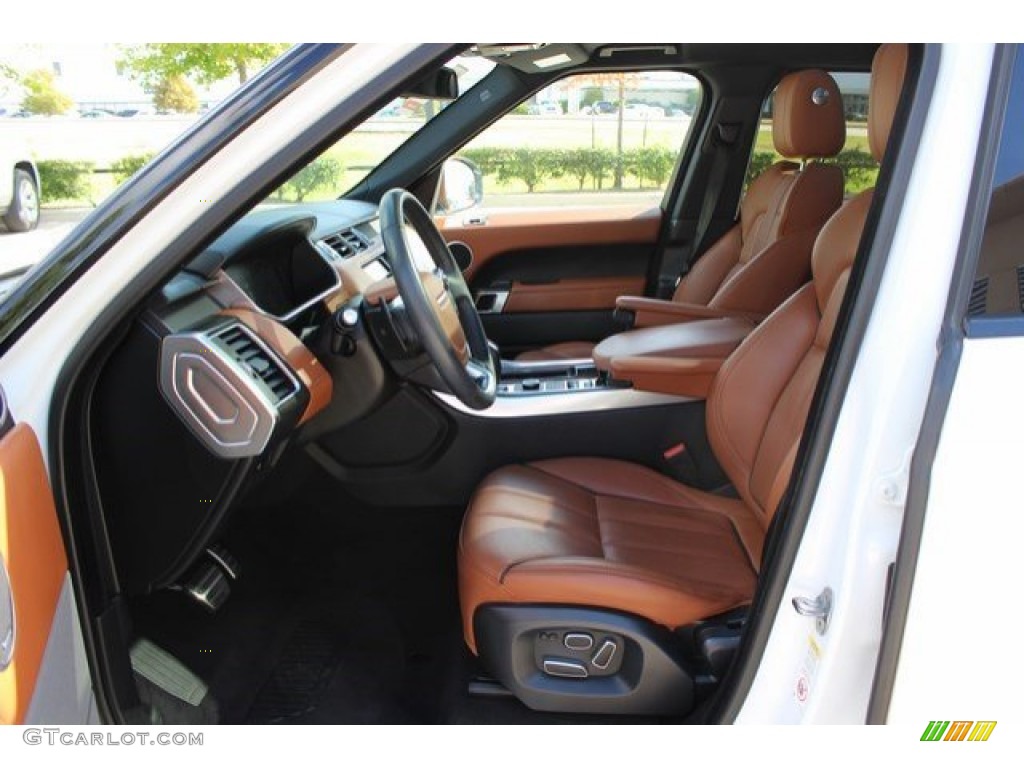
(8,625)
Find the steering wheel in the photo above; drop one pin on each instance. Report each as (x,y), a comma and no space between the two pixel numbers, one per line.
(437,300)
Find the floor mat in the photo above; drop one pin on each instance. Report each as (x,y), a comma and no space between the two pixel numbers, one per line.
(342,663)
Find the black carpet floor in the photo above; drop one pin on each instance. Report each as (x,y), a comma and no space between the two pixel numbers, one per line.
(344,614)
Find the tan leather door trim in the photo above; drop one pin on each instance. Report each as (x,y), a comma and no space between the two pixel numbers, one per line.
(515,230)
(33,551)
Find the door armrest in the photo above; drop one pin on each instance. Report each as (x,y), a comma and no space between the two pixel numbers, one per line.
(649,312)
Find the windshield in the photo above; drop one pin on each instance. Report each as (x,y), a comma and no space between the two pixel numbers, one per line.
(347,162)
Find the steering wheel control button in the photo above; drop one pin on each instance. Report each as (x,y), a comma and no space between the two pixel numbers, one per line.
(603,658)
(564,668)
(578,641)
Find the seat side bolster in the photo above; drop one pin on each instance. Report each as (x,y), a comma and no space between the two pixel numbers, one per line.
(592,582)
(707,274)
(750,382)
(770,277)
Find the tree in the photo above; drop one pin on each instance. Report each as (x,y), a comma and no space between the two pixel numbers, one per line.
(174,94)
(8,76)
(42,96)
(620,81)
(206,62)
(322,172)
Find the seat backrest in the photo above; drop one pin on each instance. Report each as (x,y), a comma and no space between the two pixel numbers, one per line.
(766,256)
(759,401)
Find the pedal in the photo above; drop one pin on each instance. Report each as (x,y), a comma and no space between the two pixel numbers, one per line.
(225,560)
(209,584)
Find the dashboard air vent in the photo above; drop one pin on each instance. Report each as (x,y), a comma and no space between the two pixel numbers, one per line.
(346,243)
(258,362)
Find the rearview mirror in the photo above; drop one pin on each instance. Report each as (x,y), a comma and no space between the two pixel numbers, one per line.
(442,84)
(459,187)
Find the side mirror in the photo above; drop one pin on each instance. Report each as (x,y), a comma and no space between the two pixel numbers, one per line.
(459,187)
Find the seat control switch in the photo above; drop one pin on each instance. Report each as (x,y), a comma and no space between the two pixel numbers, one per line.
(564,668)
(605,654)
(578,641)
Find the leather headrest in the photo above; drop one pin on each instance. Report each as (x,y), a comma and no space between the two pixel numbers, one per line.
(807,118)
(887,73)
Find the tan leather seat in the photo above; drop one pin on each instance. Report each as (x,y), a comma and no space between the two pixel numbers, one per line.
(766,256)
(598,532)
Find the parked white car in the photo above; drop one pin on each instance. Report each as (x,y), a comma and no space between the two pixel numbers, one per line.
(19,187)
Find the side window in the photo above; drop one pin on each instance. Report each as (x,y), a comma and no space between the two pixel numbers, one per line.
(598,139)
(859,168)
(998,287)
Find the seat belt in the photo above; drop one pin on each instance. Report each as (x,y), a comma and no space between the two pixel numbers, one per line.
(678,257)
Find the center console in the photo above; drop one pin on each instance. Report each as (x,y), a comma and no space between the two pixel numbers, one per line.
(548,377)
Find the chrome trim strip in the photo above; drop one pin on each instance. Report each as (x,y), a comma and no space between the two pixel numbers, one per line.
(10,634)
(500,297)
(292,314)
(563,403)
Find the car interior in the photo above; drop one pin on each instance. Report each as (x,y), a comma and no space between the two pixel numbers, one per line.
(388,458)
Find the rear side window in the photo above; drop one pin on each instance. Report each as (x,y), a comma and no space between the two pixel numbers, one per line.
(859,167)
(998,288)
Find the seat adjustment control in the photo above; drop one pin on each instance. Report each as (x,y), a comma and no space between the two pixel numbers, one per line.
(564,668)
(604,654)
(578,641)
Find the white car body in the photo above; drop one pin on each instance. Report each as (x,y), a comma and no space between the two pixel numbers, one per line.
(854,529)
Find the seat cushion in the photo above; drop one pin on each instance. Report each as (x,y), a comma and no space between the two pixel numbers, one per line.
(569,350)
(598,532)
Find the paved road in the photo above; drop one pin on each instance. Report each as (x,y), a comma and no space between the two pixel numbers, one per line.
(21,249)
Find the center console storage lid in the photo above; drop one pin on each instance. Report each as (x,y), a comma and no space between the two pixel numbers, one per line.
(715,338)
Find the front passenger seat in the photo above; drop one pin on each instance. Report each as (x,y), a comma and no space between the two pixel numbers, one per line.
(766,255)
(574,572)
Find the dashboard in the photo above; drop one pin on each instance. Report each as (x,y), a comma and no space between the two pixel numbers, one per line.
(239,324)
(229,363)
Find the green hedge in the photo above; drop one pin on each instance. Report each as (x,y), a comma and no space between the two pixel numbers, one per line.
(859,168)
(65,180)
(532,166)
(128,166)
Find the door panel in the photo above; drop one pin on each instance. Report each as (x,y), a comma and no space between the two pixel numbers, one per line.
(530,228)
(36,566)
(571,294)
(548,275)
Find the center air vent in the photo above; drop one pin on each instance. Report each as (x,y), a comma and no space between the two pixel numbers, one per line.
(257,362)
(346,243)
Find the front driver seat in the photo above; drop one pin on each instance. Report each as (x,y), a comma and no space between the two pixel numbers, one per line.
(574,572)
